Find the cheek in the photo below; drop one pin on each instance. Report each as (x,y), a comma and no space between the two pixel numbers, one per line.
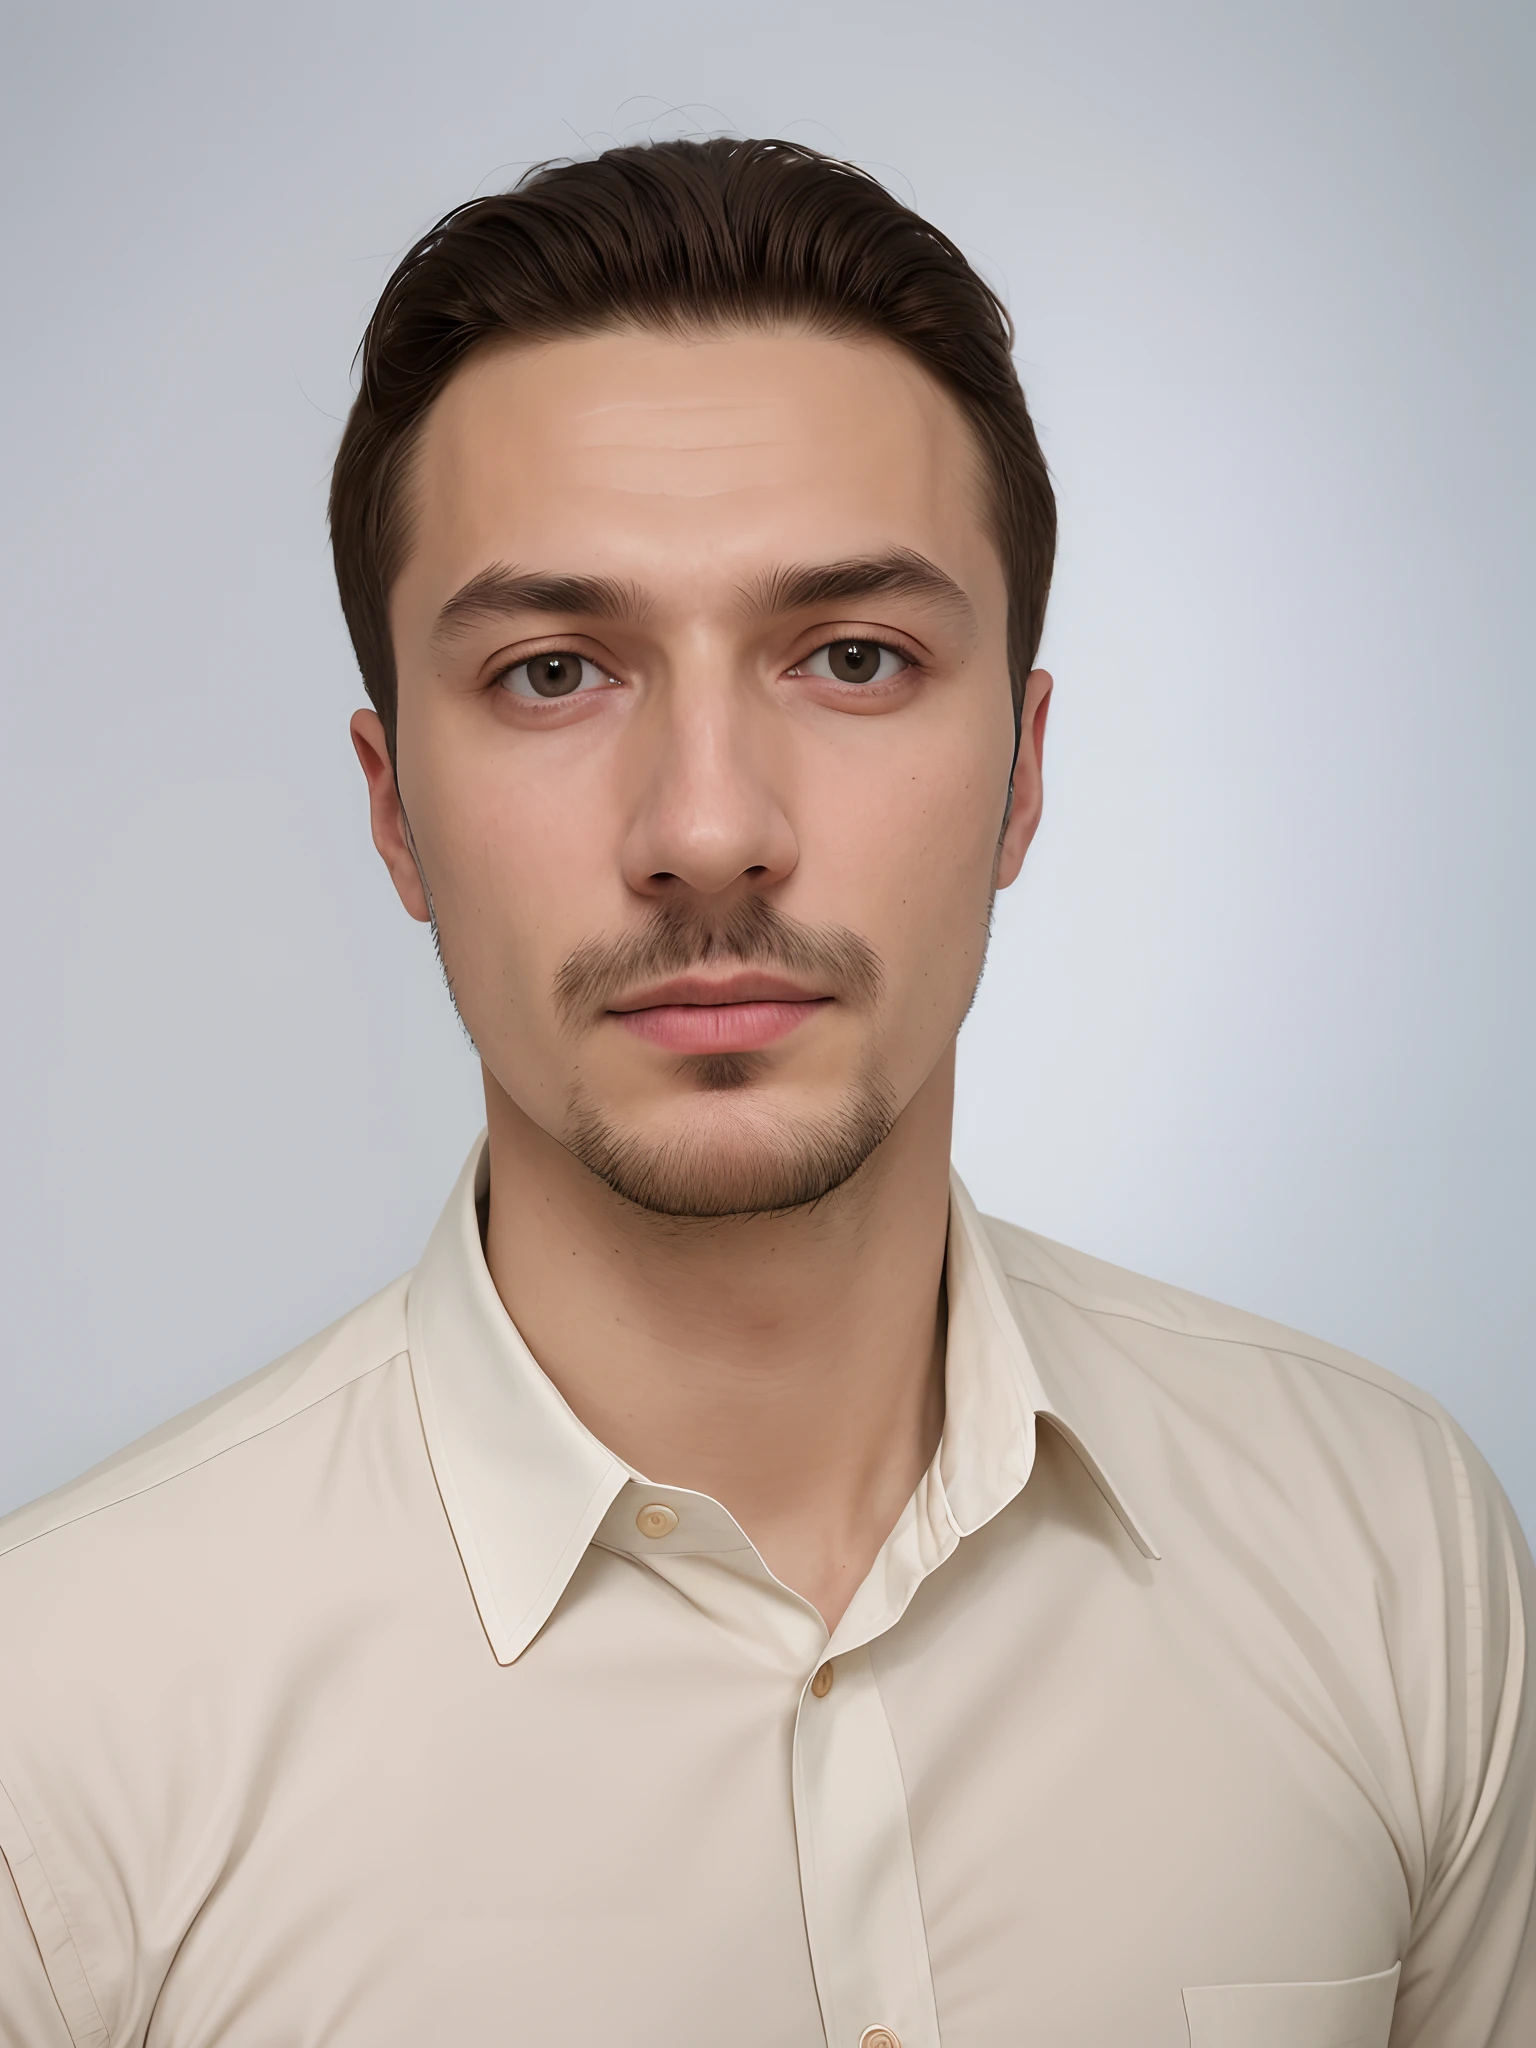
(922,847)
(516,870)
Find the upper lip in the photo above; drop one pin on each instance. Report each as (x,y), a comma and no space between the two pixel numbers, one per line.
(703,992)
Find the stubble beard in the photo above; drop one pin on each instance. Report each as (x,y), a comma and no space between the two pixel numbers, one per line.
(737,1154)
(741,1157)
(750,1160)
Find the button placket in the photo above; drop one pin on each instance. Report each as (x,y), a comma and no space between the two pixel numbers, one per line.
(858,1877)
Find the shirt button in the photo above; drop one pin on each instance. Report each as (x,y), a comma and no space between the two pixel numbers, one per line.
(656,1520)
(878,2037)
(873,2037)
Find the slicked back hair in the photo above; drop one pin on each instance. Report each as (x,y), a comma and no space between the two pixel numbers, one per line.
(678,238)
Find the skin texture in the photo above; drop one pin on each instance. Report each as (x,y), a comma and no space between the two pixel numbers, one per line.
(714,917)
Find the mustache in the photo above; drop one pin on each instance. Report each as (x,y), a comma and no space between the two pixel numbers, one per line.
(677,937)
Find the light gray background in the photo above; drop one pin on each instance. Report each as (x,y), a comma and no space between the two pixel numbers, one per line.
(1259,1019)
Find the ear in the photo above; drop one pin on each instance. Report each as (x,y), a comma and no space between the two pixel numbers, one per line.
(391,834)
(1028,788)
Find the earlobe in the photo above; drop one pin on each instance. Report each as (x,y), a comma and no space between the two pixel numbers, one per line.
(386,815)
(1018,830)
(1022,815)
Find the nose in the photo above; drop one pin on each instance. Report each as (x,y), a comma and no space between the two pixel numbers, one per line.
(709,817)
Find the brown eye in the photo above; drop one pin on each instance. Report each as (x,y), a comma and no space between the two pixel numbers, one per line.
(855,661)
(557,674)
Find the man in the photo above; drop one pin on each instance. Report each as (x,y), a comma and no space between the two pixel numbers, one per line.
(731,1592)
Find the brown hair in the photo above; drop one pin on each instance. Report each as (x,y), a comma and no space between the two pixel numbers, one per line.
(677,236)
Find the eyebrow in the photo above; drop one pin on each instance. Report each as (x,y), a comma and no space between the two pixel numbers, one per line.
(502,592)
(900,573)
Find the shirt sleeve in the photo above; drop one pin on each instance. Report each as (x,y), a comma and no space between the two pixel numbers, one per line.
(1469,1977)
(29,2012)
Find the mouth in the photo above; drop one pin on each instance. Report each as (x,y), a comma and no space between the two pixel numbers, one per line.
(733,1013)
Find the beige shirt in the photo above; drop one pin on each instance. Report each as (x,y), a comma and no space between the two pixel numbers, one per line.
(376,1703)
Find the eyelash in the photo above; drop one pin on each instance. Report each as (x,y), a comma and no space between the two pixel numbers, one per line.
(903,654)
(887,645)
(510,668)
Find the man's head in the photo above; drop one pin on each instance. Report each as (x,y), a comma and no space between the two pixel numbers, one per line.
(695,541)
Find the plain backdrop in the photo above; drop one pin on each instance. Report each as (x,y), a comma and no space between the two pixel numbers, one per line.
(1260,1017)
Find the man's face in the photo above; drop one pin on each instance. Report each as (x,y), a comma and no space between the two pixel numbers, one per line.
(704,738)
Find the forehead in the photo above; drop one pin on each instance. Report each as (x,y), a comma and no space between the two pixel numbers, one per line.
(671,460)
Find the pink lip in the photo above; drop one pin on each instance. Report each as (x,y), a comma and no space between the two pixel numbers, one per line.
(738,1014)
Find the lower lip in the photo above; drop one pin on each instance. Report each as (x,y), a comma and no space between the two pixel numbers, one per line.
(716,1027)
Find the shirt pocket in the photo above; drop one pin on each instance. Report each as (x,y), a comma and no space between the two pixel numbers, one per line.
(1352,2012)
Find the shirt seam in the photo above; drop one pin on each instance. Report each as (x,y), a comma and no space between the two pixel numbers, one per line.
(920,1935)
(1476,1624)
(194,1464)
(1410,1397)
(96,2033)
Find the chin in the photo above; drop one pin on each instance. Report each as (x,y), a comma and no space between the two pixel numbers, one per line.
(728,1154)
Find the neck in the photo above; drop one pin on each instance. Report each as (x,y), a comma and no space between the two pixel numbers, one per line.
(789,1366)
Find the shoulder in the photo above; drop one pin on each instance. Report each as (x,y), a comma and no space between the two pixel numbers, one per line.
(1321,1515)
(231,1442)
(1327,1485)
(163,1616)
(1185,1339)
(190,1575)
(1232,1427)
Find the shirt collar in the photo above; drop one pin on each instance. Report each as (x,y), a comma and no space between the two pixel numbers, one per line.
(525,1485)
(996,1390)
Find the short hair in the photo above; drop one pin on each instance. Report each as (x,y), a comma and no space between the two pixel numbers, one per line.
(678,238)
